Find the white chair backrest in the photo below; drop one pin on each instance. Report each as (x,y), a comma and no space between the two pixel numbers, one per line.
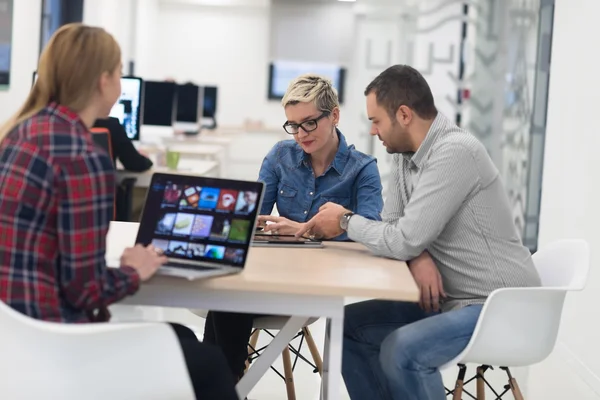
(563,263)
(519,326)
(141,361)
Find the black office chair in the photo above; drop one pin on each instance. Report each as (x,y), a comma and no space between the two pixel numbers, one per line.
(124,200)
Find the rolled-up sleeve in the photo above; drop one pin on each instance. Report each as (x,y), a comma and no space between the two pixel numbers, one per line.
(268,176)
(369,200)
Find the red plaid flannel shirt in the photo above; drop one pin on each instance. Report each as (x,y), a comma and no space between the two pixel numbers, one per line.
(56,202)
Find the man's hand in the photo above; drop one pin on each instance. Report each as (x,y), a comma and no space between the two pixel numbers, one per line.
(279,225)
(429,280)
(326,224)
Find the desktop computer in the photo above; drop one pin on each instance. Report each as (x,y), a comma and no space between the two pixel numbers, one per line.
(189,98)
(188,103)
(209,103)
(209,106)
(160,103)
(127,109)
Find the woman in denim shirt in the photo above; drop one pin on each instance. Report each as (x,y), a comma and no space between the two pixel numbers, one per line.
(318,166)
(301,175)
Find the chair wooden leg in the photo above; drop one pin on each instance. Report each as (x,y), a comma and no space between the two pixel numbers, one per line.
(458,388)
(514,386)
(314,351)
(288,373)
(251,347)
(480,383)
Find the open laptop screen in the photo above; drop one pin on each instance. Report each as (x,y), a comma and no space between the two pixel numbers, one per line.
(201,219)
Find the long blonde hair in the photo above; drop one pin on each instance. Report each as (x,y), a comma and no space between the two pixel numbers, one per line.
(69,70)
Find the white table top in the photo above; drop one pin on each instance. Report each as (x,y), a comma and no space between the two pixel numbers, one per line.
(339,270)
(200,168)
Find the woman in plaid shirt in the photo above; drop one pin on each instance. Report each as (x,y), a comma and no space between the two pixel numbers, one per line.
(56,201)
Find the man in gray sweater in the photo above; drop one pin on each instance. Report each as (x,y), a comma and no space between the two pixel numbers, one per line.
(447,214)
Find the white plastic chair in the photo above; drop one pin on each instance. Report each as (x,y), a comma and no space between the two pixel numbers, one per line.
(519,326)
(120,361)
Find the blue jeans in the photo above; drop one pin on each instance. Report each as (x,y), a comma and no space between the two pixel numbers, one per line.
(392,350)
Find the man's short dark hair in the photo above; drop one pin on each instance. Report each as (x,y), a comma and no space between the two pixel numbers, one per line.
(403,85)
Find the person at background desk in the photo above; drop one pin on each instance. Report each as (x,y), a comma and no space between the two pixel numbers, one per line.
(448,216)
(301,175)
(122,147)
(56,202)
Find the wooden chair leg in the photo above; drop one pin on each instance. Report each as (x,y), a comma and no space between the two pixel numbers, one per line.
(480,383)
(314,351)
(288,373)
(251,347)
(458,388)
(514,386)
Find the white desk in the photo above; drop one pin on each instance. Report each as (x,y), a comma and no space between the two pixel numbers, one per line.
(201,168)
(200,139)
(301,283)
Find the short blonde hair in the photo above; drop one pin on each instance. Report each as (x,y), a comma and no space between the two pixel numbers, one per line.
(310,88)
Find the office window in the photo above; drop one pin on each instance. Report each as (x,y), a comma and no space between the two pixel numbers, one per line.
(56,13)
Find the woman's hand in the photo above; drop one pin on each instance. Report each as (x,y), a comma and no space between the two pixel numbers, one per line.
(279,225)
(145,260)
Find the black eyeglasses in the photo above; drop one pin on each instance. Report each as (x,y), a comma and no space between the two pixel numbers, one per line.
(307,126)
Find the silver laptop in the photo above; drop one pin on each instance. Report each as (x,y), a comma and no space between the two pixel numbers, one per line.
(203,225)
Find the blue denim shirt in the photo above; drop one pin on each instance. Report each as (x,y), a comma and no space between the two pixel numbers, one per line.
(351,180)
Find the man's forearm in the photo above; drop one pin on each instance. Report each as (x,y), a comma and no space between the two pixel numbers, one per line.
(383,239)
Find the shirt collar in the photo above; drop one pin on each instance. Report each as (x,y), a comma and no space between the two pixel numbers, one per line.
(341,156)
(66,114)
(418,158)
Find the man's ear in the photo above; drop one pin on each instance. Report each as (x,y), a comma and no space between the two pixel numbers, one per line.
(404,115)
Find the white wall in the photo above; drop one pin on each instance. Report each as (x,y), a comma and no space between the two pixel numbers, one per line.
(571,191)
(313,32)
(144,37)
(117,17)
(231,47)
(25,52)
(224,46)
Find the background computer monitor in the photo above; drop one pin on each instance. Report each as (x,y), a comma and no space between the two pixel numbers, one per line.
(160,103)
(209,102)
(281,73)
(188,101)
(128,108)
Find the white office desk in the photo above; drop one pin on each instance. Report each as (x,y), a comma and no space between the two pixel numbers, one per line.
(200,168)
(301,283)
(199,150)
(200,139)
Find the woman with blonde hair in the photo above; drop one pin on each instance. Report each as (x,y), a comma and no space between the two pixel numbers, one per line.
(301,175)
(56,201)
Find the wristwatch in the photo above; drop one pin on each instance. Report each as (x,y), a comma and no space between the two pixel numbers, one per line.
(345,220)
